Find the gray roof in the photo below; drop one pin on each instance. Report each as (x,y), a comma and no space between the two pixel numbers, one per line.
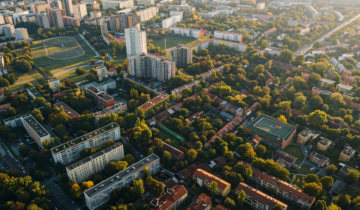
(224,114)
(104,185)
(35,125)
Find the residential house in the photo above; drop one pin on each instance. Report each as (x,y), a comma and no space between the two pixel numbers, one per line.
(325,82)
(175,153)
(227,128)
(319,159)
(323,144)
(288,160)
(172,199)
(202,202)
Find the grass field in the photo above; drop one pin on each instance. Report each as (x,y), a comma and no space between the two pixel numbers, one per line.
(296,152)
(172,41)
(298,181)
(198,40)
(353,192)
(163,135)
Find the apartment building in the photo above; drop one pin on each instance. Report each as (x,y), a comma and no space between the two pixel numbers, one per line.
(39,7)
(35,130)
(42,20)
(54,84)
(21,34)
(304,136)
(112,109)
(147,13)
(339,15)
(260,5)
(228,36)
(102,86)
(101,98)
(16,121)
(217,12)
(101,72)
(312,12)
(69,8)
(117,4)
(347,154)
(2,20)
(58,4)
(179,54)
(9,31)
(69,152)
(178,155)
(182,7)
(120,22)
(81,170)
(289,3)
(99,194)
(189,32)
(145,2)
(95,14)
(80,11)
(204,179)
(171,21)
(33,93)
(257,199)
(282,188)
(202,202)
(151,66)
(177,92)
(323,144)
(344,171)
(71,21)
(283,158)
(325,82)
(319,159)
(69,111)
(172,199)
(135,42)
(343,88)
(56,17)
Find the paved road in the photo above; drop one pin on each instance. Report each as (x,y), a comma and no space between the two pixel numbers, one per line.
(309,46)
(10,160)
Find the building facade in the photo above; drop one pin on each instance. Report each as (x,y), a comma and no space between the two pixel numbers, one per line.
(21,34)
(70,151)
(189,32)
(71,21)
(180,54)
(101,99)
(101,72)
(228,36)
(56,17)
(120,22)
(81,170)
(117,4)
(323,144)
(204,179)
(347,154)
(42,20)
(147,13)
(145,2)
(80,11)
(99,194)
(171,199)
(135,42)
(151,66)
(54,84)
(69,7)
(9,31)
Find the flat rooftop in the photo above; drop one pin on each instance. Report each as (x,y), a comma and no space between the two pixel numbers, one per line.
(105,97)
(95,84)
(271,128)
(16,117)
(35,125)
(319,156)
(83,138)
(104,185)
(324,141)
(91,157)
(69,111)
(34,92)
(348,151)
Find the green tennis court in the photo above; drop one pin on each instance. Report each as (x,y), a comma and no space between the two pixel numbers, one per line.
(172,133)
(273,127)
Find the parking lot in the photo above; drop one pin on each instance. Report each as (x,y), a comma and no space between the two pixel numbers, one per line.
(61,197)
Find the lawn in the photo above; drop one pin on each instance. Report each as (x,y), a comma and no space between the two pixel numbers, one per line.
(163,135)
(198,40)
(172,41)
(305,169)
(296,152)
(297,181)
(353,192)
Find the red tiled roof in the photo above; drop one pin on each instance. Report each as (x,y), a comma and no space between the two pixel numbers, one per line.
(183,149)
(152,102)
(221,160)
(5,106)
(205,167)
(270,31)
(209,177)
(14,96)
(169,198)
(185,173)
(220,207)
(190,144)
(172,150)
(228,127)
(170,183)
(252,107)
(295,112)
(201,202)
(259,196)
(1,93)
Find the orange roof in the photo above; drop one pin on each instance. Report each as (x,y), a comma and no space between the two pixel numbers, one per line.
(220,207)
(259,196)
(5,106)
(169,198)
(201,202)
(209,177)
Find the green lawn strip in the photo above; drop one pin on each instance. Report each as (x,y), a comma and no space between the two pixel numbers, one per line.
(305,169)
(198,41)
(296,152)
(163,135)
(172,41)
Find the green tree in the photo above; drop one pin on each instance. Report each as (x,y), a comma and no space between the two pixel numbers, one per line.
(38,101)
(333,207)
(36,113)
(24,151)
(331,169)
(10,45)
(264,44)
(167,159)
(249,174)
(80,71)
(260,150)
(343,201)
(277,207)
(320,205)
(327,182)
(139,187)
(286,56)
(315,101)
(158,143)
(213,186)
(241,198)
(129,158)
(317,118)
(191,155)
(352,177)
(86,185)
(121,165)
(229,203)
(146,172)
(312,189)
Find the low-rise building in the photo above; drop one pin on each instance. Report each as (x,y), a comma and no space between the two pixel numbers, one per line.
(204,179)
(171,21)
(69,111)
(178,155)
(257,199)
(260,5)
(54,84)
(81,170)
(288,160)
(347,154)
(319,159)
(177,92)
(216,12)
(202,202)
(101,98)
(344,171)
(269,32)
(228,36)
(99,194)
(323,144)
(325,82)
(35,130)
(189,32)
(101,72)
(304,136)
(171,199)
(343,88)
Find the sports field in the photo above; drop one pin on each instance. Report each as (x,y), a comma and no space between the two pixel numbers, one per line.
(273,127)
(61,48)
(172,41)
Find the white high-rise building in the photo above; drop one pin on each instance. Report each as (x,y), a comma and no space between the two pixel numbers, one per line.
(80,11)
(21,34)
(135,42)
(58,4)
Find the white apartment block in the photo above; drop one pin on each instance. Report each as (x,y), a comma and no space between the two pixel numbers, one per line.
(99,194)
(151,66)
(102,86)
(135,42)
(182,7)
(189,32)
(281,3)
(313,13)
(171,21)
(80,11)
(339,15)
(95,14)
(214,13)
(228,36)
(54,84)
(21,34)
(35,130)
(16,121)
(147,13)
(117,4)
(145,2)
(9,31)
(176,13)
(81,170)
(70,151)
(260,5)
